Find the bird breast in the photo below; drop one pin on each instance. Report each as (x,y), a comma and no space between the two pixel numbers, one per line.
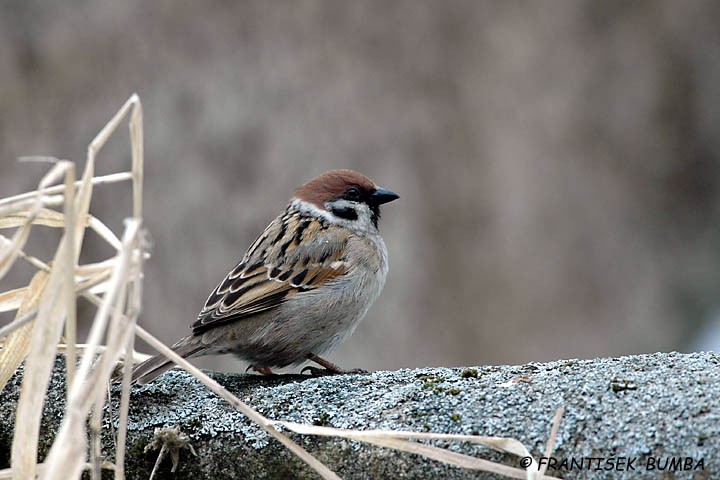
(324,317)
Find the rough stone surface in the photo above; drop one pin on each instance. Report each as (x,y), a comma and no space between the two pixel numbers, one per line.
(661,406)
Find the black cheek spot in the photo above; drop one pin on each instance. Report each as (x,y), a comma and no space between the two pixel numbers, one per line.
(348,213)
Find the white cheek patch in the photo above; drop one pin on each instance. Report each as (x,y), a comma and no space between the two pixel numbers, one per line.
(311,209)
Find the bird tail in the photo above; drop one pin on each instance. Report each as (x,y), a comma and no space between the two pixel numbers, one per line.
(153,367)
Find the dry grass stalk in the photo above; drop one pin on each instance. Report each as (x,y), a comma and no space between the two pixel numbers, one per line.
(17,344)
(399,440)
(134,306)
(72,253)
(47,327)
(67,456)
(56,299)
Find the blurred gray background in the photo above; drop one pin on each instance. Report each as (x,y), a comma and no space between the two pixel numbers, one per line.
(557,161)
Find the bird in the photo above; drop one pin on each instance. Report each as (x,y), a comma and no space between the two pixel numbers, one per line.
(301,288)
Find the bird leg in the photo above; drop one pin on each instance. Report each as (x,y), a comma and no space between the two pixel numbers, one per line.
(261,370)
(329,368)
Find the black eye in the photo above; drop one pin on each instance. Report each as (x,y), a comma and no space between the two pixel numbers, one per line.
(352,193)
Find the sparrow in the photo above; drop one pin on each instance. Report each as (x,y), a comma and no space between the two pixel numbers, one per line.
(302,287)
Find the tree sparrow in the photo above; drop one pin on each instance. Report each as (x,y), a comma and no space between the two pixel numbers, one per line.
(302,286)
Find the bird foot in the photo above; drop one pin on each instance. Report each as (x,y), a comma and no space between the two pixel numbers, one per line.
(329,368)
(261,370)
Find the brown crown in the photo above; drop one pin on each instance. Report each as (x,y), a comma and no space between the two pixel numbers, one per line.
(331,185)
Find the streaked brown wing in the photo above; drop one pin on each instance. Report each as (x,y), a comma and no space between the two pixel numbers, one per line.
(293,255)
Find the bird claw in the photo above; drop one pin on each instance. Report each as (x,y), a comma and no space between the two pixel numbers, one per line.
(316,371)
(322,372)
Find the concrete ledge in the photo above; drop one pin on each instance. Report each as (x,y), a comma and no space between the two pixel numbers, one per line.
(663,406)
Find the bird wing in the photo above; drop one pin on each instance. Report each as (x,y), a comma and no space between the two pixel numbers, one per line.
(294,254)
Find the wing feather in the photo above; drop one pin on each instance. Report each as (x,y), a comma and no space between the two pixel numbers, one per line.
(294,254)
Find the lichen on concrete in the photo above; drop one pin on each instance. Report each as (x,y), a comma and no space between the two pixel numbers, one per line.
(661,405)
